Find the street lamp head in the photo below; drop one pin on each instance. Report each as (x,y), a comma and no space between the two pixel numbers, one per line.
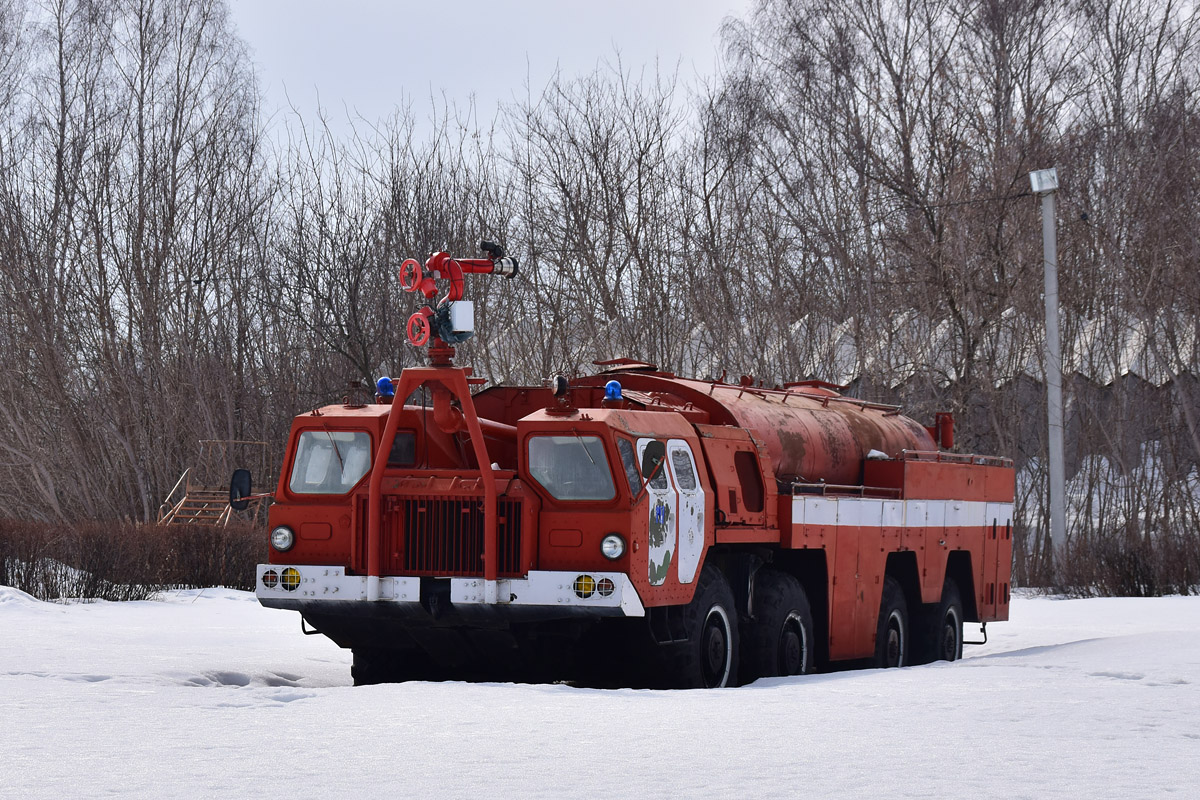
(1044,180)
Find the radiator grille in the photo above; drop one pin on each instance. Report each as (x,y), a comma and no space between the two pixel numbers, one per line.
(444,536)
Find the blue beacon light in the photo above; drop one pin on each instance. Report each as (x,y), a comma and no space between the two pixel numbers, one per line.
(384,387)
(612,391)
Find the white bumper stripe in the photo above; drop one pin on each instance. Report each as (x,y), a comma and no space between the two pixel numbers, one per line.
(550,589)
(547,589)
(332,583)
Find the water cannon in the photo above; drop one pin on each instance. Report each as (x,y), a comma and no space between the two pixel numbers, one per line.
(451,319)
(505,266)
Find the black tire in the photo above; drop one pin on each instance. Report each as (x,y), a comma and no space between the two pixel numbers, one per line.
(370,667)
(709,658)
(892,635)
(374,665)
(780,641)
(942,638)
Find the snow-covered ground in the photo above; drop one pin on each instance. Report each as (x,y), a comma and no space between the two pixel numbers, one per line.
(207,695)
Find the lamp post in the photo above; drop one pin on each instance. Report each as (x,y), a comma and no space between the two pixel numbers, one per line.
(1044,184)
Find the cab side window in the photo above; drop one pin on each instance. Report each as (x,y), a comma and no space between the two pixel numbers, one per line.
(659,481)
(682,464)
(404,450)
(629,462)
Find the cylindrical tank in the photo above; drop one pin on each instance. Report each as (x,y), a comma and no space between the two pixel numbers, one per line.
(812,434)
(812,438)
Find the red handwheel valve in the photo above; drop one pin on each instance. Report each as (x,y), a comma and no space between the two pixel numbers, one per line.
(410,275)
(419,328)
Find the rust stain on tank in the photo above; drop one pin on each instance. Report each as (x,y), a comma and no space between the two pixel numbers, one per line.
(834,441)
(795,445)
(917,431)
(865,431)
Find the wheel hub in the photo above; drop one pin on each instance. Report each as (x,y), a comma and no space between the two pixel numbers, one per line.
(792,648)
(715,649)
(948,650)
(895,642)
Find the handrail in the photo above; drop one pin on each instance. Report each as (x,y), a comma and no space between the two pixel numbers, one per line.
(166,503)
(800,489)
(955,458)
(170,515)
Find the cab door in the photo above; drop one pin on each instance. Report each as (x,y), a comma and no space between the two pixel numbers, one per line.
(690,508)
(664,505)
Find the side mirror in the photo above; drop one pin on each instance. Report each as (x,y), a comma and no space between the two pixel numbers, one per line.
(652,456)
(239,489)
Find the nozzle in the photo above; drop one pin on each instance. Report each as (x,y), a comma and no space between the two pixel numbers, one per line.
(504,266)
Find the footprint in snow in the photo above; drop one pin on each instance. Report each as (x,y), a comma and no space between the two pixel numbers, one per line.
(88,678)
(290,696)
(280,679)
(213,679)
(1125,676)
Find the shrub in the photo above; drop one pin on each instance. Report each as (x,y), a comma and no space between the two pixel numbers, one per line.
(1132,565)
(124,561)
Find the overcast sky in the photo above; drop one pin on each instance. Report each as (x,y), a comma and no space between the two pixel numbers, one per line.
(367,55)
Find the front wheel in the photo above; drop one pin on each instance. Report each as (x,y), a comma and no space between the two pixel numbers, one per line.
(891,637)
(374,665)
(710,656)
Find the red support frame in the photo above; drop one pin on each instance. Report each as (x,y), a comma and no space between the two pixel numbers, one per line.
(454,381)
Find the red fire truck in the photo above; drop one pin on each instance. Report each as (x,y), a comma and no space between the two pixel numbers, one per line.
(632,527)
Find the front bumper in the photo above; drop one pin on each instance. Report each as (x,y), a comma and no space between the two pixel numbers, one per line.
(552,593)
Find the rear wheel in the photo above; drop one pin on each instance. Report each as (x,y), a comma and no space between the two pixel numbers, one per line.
(943,639)
(891,637)
(780,640)
(709,658)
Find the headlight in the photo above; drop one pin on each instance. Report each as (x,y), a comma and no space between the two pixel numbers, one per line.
(282,538)
(612,546)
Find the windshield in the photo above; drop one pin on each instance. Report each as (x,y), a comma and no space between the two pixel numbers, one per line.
(571,467)
(330,462)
